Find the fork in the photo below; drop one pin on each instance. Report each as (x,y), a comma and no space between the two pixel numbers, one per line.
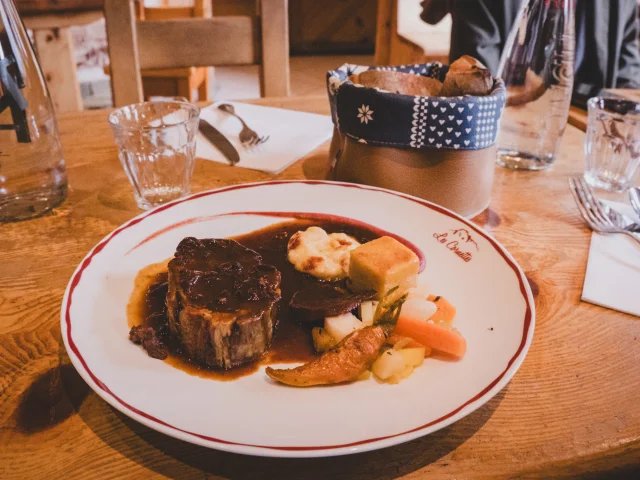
(248,137)
(634,195)
(591,210)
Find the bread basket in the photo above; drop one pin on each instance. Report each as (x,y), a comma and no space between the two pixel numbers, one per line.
(441,149)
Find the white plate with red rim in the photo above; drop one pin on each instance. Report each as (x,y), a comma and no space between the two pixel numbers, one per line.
(253,415)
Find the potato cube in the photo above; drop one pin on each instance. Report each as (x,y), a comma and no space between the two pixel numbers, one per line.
(413,357)
(341,326)
(367,312)
(382,264)
(322,340)
(390,363)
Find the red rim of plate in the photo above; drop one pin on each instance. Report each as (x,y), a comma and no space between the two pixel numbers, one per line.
(75,280)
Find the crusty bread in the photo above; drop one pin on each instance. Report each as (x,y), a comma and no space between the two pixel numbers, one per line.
(398,82)
(467,76)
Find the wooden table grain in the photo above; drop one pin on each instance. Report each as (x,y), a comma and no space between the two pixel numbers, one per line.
(571,411)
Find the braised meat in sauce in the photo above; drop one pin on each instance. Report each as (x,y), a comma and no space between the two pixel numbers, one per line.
(222,301)
(220,286)
(314,304)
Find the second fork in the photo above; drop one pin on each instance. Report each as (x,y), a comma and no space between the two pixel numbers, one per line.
(591,210)
(247,136)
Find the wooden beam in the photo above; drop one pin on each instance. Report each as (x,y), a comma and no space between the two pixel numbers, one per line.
(386,27)
(274,19)
(167,13)
(170,44)
(59,20)
(31,7)
(203,8)
(126,82)
(55,52)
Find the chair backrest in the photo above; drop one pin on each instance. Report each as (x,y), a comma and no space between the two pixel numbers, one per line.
(403,38)
(172,9)
(196,42)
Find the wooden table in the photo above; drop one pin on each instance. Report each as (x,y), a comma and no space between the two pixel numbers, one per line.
(571,410)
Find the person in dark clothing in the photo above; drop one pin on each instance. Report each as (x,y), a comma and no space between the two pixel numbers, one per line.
(607,45)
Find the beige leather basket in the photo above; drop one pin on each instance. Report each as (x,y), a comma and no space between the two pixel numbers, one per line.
(441,149)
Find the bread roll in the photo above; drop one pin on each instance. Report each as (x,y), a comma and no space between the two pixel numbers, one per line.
(467,76)
(398,82)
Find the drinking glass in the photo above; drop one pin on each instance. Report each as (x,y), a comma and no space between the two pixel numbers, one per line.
(612,144)
(156,145)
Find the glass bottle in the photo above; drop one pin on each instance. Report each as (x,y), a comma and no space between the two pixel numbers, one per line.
(33,177)
(537,67)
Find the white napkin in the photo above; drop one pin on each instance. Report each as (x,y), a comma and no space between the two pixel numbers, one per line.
(613,271)
(291,135)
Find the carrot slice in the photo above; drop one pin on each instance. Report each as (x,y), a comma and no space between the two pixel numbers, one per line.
(431,335)
(446,311)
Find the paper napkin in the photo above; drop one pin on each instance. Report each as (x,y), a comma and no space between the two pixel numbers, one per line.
(291,135)
(613,271)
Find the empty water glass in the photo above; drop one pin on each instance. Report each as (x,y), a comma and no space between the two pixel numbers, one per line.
(156,145)
(612,145)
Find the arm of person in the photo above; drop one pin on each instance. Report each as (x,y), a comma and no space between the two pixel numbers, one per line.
(480,27)
(629,61)
(476,31)
(433,11)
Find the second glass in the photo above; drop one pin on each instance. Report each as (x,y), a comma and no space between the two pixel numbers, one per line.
(612,144)
(156,145)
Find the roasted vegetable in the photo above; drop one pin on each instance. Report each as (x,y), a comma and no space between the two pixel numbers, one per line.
(423,290)
(419,308)
(431,335)
(396,365)
(388,311)
(413,357)
(401,343)
(367,310)
(351,358)
(344,363)
(388,364)
(341,326)
(445,312)
(322,341)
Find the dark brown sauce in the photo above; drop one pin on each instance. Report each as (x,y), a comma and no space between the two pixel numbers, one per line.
(291,341)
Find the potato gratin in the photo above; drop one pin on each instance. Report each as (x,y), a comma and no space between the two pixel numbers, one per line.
(323,255)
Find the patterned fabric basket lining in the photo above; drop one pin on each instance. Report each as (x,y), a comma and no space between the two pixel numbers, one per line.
(373,116)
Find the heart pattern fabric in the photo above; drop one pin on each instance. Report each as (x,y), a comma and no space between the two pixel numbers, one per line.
(455,123)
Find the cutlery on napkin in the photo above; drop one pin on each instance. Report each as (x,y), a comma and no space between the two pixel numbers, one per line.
(218,140)
(292,135)
(613,270)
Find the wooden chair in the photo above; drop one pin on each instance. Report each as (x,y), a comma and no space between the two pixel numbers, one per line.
(54,46)
(175,82)
(197,42)
(403,38)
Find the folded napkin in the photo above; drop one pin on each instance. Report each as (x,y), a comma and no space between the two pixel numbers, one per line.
(613,271)
(291,135)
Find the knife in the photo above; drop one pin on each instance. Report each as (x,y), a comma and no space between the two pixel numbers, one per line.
(218,140)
